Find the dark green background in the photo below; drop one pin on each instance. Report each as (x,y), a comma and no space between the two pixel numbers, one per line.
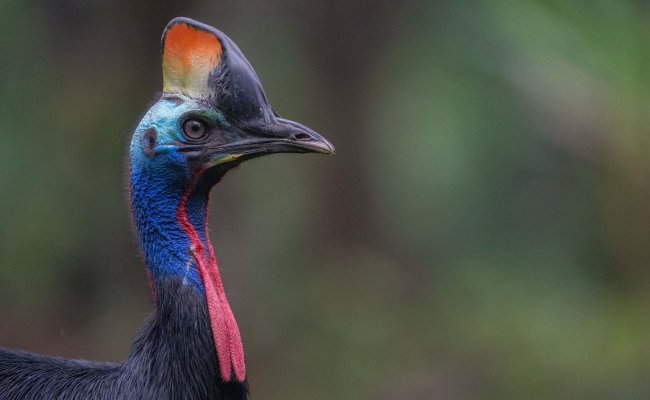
(482,233)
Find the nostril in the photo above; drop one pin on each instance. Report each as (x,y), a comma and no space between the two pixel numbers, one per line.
(301,136)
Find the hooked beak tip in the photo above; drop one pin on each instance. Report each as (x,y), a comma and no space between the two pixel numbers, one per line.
(311,141)
(321,145)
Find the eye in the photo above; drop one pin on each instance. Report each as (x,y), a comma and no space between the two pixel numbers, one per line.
(194,129)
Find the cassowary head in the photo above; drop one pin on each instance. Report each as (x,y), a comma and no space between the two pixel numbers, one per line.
(213,113)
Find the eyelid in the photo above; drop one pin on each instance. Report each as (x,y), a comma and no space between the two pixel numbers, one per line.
(212,118)
(209,123)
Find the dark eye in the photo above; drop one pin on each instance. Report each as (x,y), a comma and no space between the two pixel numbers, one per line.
(194,129)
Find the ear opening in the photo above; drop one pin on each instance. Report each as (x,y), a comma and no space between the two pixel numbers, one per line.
(190,53)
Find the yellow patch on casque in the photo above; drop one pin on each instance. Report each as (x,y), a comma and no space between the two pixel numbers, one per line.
(189,55)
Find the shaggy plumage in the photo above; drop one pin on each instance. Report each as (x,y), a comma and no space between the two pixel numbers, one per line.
(172,357)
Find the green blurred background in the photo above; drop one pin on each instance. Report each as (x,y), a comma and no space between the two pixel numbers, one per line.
(482,233)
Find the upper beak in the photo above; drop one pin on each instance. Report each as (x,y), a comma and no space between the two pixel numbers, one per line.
(279,136)
(296,135)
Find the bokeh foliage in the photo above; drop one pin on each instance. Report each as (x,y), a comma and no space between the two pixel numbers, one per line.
(483,231)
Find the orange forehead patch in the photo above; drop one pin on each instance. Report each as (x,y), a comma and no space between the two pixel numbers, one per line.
(189,55)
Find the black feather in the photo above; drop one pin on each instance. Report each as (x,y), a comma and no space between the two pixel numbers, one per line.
(172,357)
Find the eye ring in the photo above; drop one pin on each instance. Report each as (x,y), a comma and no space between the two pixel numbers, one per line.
(194,129)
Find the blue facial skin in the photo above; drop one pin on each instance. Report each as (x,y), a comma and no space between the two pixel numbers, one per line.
(160,174)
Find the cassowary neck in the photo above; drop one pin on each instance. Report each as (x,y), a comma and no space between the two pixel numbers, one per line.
(174,353)
(171,222)
(168,217)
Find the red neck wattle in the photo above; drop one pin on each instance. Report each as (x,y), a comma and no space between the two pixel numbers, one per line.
(227,340)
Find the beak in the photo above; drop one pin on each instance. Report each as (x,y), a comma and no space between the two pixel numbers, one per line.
(301,138)
(279,136)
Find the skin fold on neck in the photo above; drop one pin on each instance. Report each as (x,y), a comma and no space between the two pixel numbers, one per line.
(172,229)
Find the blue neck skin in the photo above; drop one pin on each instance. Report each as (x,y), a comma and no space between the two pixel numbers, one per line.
(160,174)
(166,247)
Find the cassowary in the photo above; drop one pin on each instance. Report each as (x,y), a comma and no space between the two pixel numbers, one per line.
(212,115)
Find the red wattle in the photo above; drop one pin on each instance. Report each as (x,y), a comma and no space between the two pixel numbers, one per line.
(225,333)
(236,346)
